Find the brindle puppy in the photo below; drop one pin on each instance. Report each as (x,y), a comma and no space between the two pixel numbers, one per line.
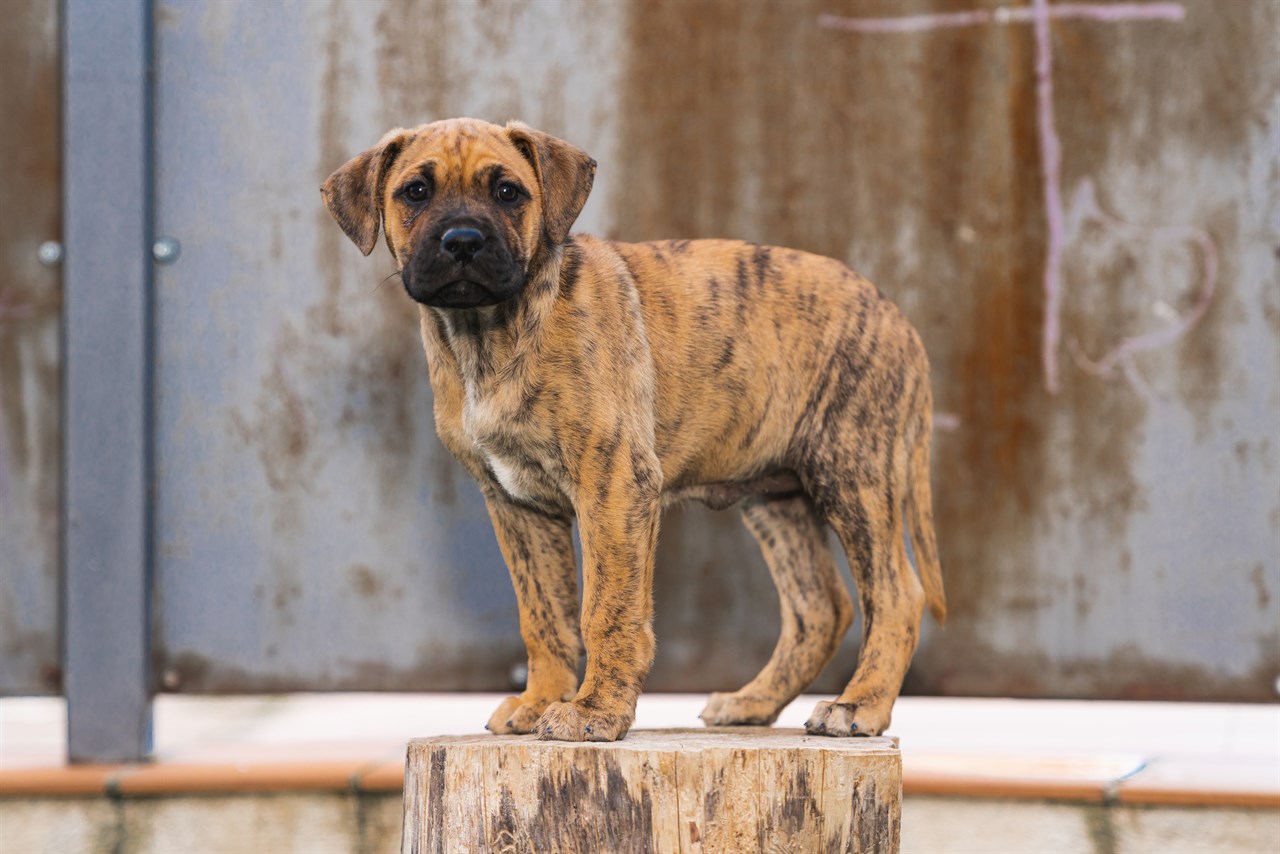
(577,377)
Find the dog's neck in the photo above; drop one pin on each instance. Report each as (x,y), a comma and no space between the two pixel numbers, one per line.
(494,341)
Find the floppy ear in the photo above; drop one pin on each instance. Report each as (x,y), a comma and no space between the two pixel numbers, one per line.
(565,174)
(354,192)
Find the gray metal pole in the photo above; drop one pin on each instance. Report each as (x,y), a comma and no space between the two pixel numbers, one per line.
(107,358)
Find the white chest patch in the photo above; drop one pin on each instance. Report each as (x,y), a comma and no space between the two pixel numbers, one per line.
(521,476)
(508,476)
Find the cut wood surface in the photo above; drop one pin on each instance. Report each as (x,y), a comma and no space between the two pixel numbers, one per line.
(707,791)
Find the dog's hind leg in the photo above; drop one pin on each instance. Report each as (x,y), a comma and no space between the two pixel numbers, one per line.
(869,523)
(816,610)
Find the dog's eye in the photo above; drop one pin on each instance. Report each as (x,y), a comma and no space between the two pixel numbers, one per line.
(508,192)
(417,191)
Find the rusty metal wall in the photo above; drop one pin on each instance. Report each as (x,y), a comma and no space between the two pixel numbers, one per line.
(1105,533)
(1110,526)
(30,299)
(1117,538)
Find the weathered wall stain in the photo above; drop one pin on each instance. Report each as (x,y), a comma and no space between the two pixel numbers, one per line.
(1259,578)
(30,385)
(369,584)
(1131,672)
(1051,154)
(279,427)
(415,73)
(345,373)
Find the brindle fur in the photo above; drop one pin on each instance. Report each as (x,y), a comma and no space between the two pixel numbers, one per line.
(624,377)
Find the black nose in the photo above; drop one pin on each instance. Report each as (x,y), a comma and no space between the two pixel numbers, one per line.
(462,243)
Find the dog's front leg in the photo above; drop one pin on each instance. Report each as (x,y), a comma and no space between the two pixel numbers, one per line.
(618,507)
(539,552)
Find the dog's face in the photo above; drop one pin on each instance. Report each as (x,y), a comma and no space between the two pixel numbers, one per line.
(468,207)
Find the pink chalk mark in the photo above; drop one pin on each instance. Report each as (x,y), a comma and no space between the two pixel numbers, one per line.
(909,23)
(5,503)
(946,421)
(1051,165)
(1040,13)
(1085,206)
(1005,15)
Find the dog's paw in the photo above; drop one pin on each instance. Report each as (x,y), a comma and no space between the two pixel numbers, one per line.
(574,722)
(515,716)
(845,719)
(739,710)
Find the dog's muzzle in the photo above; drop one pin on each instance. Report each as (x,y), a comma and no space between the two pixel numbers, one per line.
(462,265)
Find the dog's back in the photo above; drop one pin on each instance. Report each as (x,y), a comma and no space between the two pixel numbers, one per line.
(749,342)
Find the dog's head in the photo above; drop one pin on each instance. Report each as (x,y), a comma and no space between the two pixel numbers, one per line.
(467,206)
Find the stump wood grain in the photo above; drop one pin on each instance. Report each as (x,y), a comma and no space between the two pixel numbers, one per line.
(707,791)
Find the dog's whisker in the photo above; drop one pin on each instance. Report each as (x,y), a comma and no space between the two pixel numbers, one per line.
(384,281)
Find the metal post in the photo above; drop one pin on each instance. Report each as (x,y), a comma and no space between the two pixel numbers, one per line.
(107,355)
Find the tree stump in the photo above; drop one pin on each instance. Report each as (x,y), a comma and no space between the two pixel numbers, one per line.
(663,791)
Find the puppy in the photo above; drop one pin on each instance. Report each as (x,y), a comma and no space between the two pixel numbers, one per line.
(582,378)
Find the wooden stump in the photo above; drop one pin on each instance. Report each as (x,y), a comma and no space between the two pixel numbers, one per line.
(698,790)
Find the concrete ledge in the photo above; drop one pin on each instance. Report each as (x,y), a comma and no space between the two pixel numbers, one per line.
(970,786)
(57,780)
(124,781)
(1135,754)
(1164,783)
(938,825)
(1200,782)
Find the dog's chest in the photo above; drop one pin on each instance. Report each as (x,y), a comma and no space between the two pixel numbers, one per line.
(520,454)
(523,478)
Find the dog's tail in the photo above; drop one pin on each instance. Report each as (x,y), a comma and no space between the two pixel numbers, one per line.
(920,520)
